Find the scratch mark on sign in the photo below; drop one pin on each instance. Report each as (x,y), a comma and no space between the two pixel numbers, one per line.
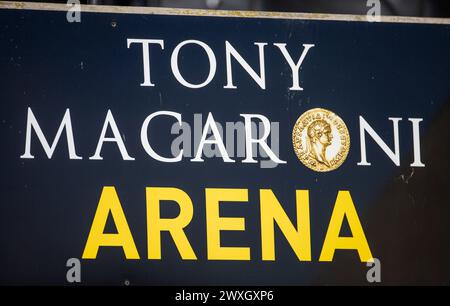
(406,179)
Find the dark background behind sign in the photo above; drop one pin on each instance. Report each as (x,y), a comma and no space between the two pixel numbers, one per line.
(374,70)
(419,8)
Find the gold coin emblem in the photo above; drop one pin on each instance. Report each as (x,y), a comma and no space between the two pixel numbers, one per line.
(321,140)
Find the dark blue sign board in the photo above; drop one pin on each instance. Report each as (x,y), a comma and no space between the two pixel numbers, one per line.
(165,147)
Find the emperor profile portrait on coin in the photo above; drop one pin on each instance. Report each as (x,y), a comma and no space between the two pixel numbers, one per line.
(321,140)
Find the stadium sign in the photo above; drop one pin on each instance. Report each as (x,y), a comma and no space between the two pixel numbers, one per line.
(170,147)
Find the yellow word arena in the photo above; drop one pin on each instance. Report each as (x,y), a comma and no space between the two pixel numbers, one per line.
(271,213)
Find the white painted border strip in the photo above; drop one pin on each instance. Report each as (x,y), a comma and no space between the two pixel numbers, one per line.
(214,13)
